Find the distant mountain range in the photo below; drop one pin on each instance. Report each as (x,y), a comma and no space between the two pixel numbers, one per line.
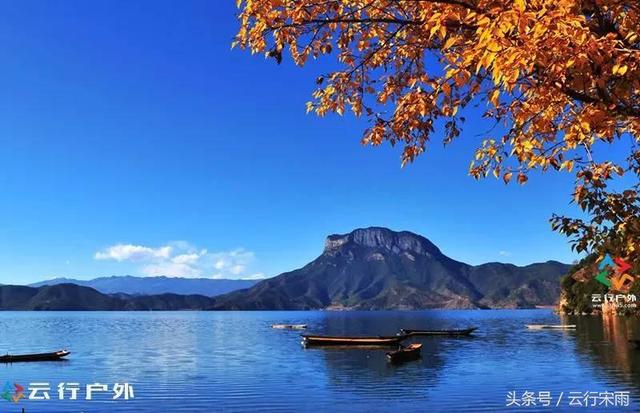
(68,297)
(155,285)
(377,268)
(367,269)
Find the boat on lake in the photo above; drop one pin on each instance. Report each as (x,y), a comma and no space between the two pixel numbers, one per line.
(311,340)
(289,326)
(56,355)
(551,326)
(411,352)
(458,332)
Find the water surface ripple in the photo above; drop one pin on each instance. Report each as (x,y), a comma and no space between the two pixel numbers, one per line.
(234,361)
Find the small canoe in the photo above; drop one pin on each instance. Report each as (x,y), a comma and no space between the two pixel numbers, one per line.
(289,326)
(57,355)
(309,340)
(411,352)
(551,326)
(460,332)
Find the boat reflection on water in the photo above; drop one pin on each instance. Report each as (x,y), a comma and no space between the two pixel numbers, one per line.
(601,345)
(363,369)
(605,340)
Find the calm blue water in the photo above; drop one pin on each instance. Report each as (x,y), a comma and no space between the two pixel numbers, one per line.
(234,361)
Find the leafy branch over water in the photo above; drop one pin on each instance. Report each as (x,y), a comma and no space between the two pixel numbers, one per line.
(560,77)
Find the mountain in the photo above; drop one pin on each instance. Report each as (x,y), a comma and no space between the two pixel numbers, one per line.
(377,268)
(67,297)
(155,285)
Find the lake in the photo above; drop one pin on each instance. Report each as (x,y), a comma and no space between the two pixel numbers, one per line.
(234,361)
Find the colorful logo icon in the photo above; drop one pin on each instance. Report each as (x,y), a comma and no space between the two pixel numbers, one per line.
(12,392)
(614,274)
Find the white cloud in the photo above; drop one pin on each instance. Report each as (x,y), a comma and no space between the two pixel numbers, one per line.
(505,253)
(171,269)
(187,258)
(256,276)
(181,259)
(237,269)
(129,252)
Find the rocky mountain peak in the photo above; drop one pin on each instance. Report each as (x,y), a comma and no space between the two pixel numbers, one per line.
(377,268)
(382,239)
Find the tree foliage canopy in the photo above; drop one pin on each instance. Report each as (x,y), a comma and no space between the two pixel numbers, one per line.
(561,77)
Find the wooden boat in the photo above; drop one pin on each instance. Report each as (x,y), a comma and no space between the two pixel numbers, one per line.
(57,355)
(459,332)
(350,347)
(551,326)
(411,352)
(310,340)
(289,326)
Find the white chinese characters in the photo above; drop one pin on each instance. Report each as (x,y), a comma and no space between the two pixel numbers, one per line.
(528,398)
(75,391)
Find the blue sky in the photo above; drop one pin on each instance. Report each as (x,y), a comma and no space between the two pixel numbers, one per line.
(134,141)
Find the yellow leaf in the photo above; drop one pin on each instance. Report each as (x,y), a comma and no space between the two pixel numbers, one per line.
(450,42)
(521,5)
(568,165)
(494,98)
(433,31)
(450,73)
(585,126)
